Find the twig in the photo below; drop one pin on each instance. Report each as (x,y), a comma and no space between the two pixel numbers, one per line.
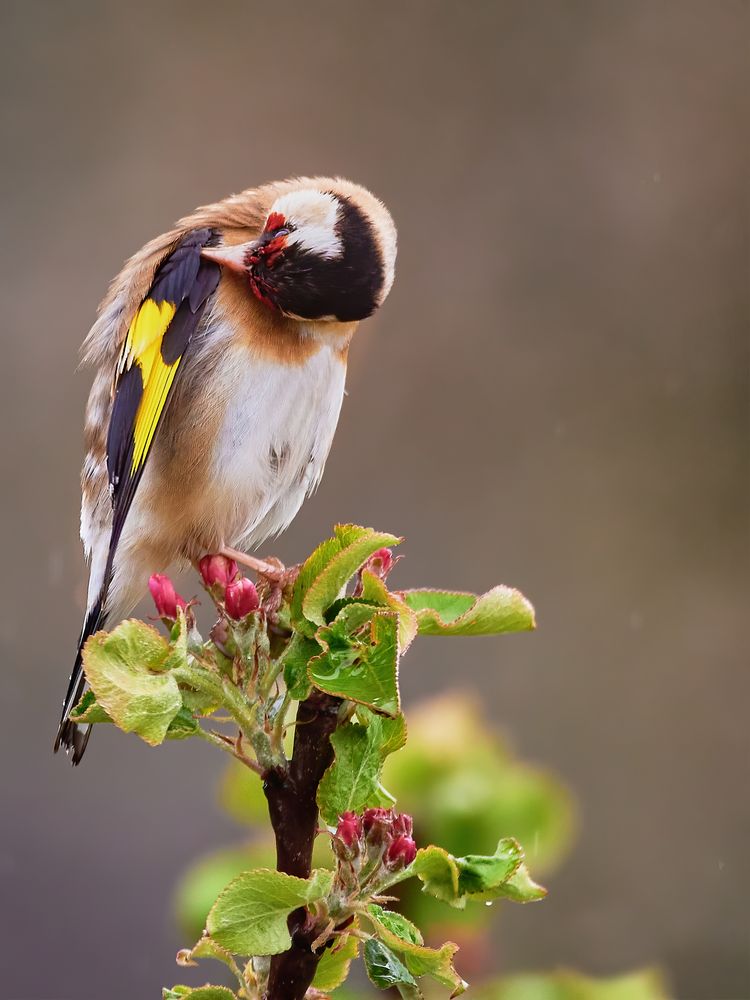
(229,746)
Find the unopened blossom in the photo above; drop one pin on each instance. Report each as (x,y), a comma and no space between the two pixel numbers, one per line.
(240,598)
(380,563)
(400,853)
(218,571)
(349,828)
(166,598)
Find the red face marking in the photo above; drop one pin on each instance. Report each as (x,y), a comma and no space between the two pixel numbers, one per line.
(267,253)
(272,249)
(261,290)
(275,221)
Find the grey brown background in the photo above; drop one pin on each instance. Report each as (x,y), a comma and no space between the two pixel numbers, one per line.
(554,396)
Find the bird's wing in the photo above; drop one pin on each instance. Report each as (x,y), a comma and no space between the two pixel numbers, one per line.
(155,346)
(154,349)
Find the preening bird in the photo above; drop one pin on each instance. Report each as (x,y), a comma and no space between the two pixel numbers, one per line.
(220,357)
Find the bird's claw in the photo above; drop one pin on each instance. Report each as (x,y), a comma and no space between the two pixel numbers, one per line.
(274,577)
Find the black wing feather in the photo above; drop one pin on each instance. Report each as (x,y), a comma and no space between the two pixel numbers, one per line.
(187,280)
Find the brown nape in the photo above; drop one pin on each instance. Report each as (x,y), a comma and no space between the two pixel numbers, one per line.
(270,335)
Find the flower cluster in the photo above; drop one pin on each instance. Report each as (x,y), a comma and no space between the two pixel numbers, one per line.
(378,839)
(222,580)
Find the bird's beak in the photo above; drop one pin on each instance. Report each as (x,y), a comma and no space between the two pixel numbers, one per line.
(234,258)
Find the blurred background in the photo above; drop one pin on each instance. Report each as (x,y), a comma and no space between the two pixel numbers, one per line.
(554,396)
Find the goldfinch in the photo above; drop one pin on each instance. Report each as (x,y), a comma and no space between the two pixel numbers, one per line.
(220,357)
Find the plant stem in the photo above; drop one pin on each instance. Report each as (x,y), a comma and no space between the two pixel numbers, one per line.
(292,805)
(277,736)
(232,699)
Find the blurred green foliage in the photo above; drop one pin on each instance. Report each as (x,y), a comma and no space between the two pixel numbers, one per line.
(463,784)
(458,778)
(564,985)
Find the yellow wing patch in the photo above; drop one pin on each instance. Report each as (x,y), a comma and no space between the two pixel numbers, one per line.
(143,347)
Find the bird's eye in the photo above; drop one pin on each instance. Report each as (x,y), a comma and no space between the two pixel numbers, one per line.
(280,232)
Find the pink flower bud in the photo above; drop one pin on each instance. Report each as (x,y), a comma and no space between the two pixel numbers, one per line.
(401,852)
(377,826)
(380,563)
(349,829)
(346,841)
(403,825)
(376,817)
(218,571)
(240,598)
(166,598)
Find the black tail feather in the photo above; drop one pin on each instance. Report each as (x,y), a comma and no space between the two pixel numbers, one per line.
(72,737)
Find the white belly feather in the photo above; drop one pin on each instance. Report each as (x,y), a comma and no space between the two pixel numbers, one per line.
(273,442)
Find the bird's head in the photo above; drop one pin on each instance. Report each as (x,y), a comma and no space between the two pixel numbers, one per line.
(326,253)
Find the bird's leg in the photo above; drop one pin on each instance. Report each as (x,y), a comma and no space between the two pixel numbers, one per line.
(275,578)
(271,571)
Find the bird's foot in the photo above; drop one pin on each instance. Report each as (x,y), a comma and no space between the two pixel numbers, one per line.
(274,576)
(271,569)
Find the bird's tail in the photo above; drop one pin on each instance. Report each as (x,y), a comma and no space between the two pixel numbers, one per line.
(70,735)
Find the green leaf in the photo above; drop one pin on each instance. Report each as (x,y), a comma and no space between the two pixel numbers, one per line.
(520,888)
(385,970)
(249,917)
(478,873)
(310,569)
(392,732)
(206,992)
(183,726)
(333,967)
(203,882)
(403,938)
(198,703)
(178,642)
(206,947)
(395,924)
(129,672)
(444,612)
(438,871)
(362,667)
(352,781)
(326,572)
(502,874)
(374,589)
(646,984)
(477,877)
(298,653)
(88,710)
(350,617)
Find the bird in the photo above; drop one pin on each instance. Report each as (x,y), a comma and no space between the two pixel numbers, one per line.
(219,356)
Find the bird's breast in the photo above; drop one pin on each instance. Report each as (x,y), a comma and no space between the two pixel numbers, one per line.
(272,440)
